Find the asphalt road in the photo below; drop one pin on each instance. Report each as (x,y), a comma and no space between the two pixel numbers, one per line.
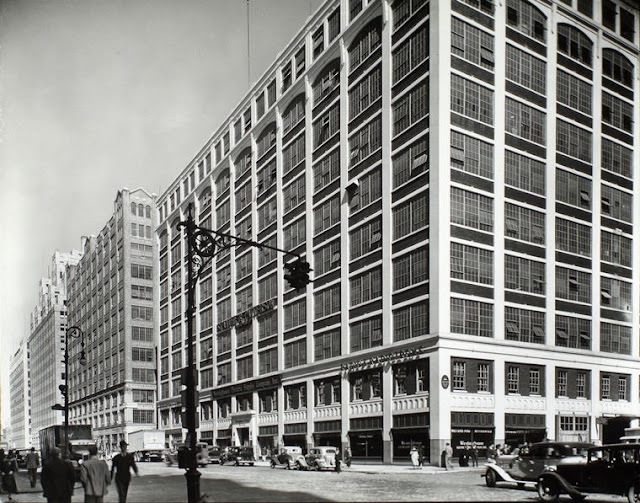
(161,484)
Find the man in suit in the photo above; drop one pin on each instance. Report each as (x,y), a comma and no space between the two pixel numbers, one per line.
(57,479)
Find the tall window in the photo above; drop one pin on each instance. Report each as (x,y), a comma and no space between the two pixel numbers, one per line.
(615,294)
(525,69)
(410,54)
(243,162)
(293,114)
(411,321)
(366,334)
(327,258)
(327,170)
(327,302)
(524,275)
(573,237)
(471,155)
(616,204)
(328,80)
(471,317)
(369,190)
(561,383)
(471,209)
(471,43)
(524,173)
(615,248)
(617,67)
(367,41)
(326,345)
(469,263)
(617,112)
(365,92)
(575,44)
(572,284)
(411,107)
(410,162)
(293,153)
(574,92)
(404,9)
(326,126)
(267,213)
(294,234)
(483,377)
(513,379)
(573,189)
(410,216)
(615,338)
(458,380)
(617,158)
(525,121)
(365,142)
(411,268)
(366,287)
(326,214)
(524,325)
(524,17)
(295,314)
(295,353)
(471,100)
(365,239)
(524,224)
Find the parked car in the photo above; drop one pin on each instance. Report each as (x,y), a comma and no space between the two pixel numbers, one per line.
(290,456)
(527,466)
(178,453)
(238,456)
(322,458)
(214,454)
(610,469)
(151,456)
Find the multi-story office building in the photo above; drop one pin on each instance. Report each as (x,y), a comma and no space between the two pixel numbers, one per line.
(19,406)
(462,177)
(46,346)
(111,299)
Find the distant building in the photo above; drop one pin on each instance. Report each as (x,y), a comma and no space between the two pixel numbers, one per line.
(463,177)
(46,346)
(19,398)
(111,297)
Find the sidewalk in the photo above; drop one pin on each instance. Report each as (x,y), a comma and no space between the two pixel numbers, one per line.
(375,467)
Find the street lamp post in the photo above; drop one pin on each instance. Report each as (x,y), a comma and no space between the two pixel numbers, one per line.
(76,333)
(202,245)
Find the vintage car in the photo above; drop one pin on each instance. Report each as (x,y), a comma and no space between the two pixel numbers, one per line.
(150,456)
(178,455)
(322,458)
(610,469)
(290,456)
(214,453)
(238,456)
(528,465)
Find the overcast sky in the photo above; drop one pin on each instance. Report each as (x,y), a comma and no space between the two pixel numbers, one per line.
(97,95)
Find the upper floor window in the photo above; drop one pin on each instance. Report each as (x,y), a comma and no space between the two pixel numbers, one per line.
(525,121)
(617,158)
(471,155)
(355,6)
(267,139)
(327,81)
(617,67)
(243,162)
(293,114)
(471,99)
(524,173)
(524,224)
(617,204)
(367,41)
(299,60)
(575,44)
(471,43)
(617,112)
(318,41)
(222,182)
(365,92)
(573,332)
(333,23)
(609,14)
(527,19)
(287,76)
(525,69)
(627,25)
(326,126)
(573,140)
(404,9)
(574,92)
(471,209)
(484,5)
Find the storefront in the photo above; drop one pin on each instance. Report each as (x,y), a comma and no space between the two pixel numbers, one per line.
(524,428)
(224,438)
(469,428)
(296,434)
(410,430)
(365,437)
(327,433)
(268,439)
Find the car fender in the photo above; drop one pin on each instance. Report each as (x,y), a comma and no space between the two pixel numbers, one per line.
(501,473)
(563,485)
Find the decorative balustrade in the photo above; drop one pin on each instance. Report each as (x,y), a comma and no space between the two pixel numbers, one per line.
(473,400)
(418,403)
(224,423)
(567,405)
(268,418)
(524,404)
(368,408)
(295,416)
(327,411)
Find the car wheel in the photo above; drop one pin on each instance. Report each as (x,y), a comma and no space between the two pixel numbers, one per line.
(547,491)
(633,494)
(490,478)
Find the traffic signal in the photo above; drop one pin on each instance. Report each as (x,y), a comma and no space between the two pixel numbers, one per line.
(298,274)
(63,389)
(187,416)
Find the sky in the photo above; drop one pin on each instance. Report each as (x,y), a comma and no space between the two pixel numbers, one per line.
(97,95)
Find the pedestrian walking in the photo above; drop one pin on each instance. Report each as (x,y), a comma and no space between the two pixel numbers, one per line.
(95,477)
(448,452)
(347,456)
(8,467)
(57,478)
(474,454)
(122,464)
(420,456)
(33,463)
(338,461)
(415,458)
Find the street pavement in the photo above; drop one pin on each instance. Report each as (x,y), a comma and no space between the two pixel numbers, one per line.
(362,482)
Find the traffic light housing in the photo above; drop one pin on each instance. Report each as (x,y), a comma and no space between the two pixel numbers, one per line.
(297,274)
(189,419)
(63,389)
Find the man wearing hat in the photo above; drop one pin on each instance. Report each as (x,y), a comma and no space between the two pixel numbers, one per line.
(121,464)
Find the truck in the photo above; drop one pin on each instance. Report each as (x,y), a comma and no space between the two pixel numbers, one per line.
(147,445)
(81,443)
